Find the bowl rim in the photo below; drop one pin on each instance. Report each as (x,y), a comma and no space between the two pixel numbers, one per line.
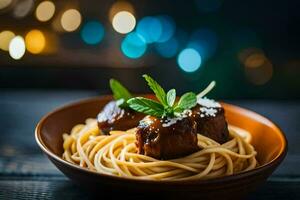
(274,162)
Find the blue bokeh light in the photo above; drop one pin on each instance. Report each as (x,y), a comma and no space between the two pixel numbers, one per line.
(167,49)
(92,32)
(205,41)
(168,28)
(133,45)
(150,28)
(189,60)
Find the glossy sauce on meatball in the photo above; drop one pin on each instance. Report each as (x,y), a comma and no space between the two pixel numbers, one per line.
(112,117)
(210,119)
(167,138)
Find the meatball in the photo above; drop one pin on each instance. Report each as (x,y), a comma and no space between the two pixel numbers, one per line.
(211,122)
(177,137)
(167,138)
(112,117)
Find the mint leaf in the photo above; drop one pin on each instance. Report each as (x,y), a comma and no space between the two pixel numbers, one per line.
(166,107)
(147,106)
(178,110)
(157,89)
(171,96)
(119,92)
(187,101)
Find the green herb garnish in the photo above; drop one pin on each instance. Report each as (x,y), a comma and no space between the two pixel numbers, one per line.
(147,106)
(166,105)
(120,93)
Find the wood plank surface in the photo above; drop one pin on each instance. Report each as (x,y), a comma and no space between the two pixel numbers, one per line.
(61,189)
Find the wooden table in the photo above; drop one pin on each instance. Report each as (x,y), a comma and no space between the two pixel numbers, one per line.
(25,173)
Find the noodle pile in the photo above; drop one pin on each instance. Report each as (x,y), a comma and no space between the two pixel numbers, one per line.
(116,154)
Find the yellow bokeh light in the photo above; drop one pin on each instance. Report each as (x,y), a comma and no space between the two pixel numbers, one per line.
(5,3)
(45,11)
(70,20)
(17,47)
(260,75)
(258,68)
(255,60)
(123,22)
(23,8)
(120,6)
(5,38)
(35,41)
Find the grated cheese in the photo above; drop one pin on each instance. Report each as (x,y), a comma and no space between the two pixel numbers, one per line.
(209,103)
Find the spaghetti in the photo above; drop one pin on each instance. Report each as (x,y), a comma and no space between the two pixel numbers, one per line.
(116,154)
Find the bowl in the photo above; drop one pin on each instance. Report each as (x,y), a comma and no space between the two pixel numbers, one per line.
(267,138)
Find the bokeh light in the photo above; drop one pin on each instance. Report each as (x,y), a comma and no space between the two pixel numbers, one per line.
(167,49)
(45,11)
(123,22)
(17,47)
(133,45)
(258,68)
(189,60)
(92,32)
(252,57)
(70,20)
(260,75)
(35,41)
(207,6)
(5,3)
(205,42)
(150,28)
(255,60)
(5,38)
(23,8)
(119,6)
(168,28)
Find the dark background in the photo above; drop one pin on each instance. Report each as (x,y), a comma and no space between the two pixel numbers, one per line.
(269,27)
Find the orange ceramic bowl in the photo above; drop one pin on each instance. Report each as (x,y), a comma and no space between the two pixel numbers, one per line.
(267,138)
